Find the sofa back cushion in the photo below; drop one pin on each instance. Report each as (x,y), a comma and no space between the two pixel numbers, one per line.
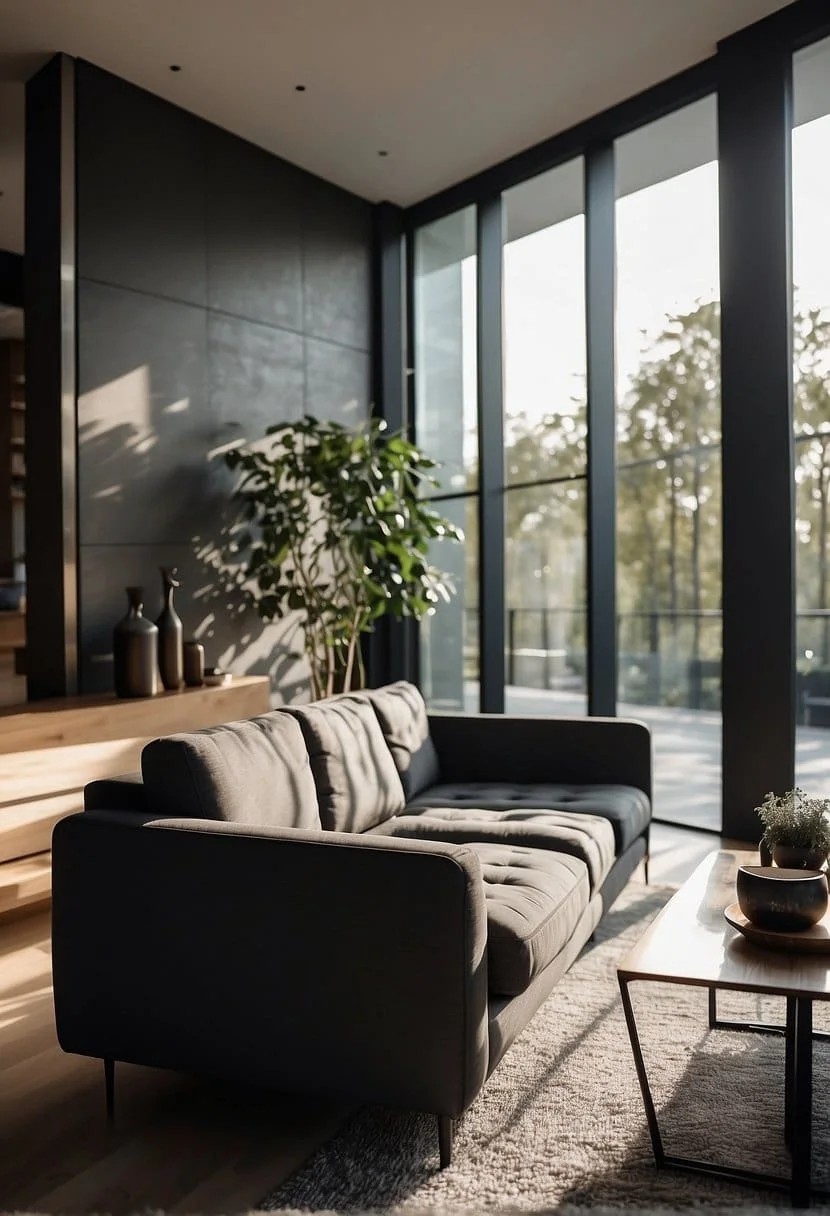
(402,714)
(357,782)
(256,772)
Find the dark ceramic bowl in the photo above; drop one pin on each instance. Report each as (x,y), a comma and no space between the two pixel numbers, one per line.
(784,900)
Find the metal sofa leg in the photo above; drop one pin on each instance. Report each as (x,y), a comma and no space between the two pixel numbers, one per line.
(445,1134)
(109,1084)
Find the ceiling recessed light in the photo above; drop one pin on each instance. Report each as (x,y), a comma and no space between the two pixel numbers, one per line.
(299,88)
(383,152)
(175,67)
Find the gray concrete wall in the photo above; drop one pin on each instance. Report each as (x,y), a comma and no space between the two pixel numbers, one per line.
(220,290)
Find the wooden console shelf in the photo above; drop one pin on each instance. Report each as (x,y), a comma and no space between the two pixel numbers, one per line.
(49,750)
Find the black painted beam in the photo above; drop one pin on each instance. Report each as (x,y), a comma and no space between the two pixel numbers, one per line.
(755,131)
(489,227)
(601,523)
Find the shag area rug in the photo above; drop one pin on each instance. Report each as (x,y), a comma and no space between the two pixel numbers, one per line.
(560,1123)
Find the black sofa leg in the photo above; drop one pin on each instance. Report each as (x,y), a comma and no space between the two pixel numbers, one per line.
(109,1084)
(645,869)
(445,1131)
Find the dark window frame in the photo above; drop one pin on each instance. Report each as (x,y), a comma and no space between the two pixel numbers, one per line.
(783,33)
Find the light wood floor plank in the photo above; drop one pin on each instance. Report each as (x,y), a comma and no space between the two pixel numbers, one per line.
(179,1144)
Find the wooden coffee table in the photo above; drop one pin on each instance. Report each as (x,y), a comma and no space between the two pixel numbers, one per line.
(689,942)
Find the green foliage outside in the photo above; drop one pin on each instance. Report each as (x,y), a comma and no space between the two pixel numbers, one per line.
(340,531)
(668,503)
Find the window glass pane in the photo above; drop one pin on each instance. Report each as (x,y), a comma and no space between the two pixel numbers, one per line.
(668,434)
(811,273)
(544,326)
(445,348)
(448,641)
(546,617)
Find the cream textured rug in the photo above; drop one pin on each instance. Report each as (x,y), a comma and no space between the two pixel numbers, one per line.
(561,1120)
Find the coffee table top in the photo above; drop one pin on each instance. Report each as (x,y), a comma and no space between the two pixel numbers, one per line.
(689,942)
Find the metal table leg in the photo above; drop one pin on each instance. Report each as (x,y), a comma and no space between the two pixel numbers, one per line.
(716,1023)
(801,1102)
(798,1102)
(642,1077)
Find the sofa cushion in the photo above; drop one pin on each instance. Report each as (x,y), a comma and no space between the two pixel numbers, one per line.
(627,809)
(402,714)
(534,900)
(357,783)
(588,837)
(256,771)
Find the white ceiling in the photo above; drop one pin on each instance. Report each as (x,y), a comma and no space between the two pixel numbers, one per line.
(446,87)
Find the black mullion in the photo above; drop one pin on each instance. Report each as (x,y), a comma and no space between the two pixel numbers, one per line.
(489,233)
(389,646)
(601,523)
(755,136)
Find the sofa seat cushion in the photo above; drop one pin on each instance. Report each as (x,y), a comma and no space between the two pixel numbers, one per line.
(587,837)
(357,783)
(256,771)
(534,900)
(627,809)
(402,714)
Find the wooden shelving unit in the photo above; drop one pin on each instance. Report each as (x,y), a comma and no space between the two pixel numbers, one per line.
(12,508)
(12,453)
(49,750)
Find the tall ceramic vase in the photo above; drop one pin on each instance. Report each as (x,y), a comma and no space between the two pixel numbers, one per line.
(135,650)
(169,623)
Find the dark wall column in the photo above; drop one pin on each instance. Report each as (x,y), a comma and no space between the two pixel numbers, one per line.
(755,125)
(391,647)
(491,453)
(11,279)
(51,406)
(599,309)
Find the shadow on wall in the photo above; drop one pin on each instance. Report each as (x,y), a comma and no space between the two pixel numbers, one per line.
(155,491)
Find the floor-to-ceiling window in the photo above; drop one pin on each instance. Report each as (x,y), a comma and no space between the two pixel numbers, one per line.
(668,453)
(811,409)
(545,443)
(722,713)
(444,291)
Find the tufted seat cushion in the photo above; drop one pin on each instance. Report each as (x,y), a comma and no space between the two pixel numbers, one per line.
(626,808)
(534,900)
(587,837)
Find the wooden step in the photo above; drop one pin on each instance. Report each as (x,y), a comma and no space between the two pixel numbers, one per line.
(26,827)
(23,882)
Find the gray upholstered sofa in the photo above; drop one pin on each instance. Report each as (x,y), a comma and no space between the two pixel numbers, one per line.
(351,898)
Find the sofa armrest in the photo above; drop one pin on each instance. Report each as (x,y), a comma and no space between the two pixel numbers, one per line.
(499,747)
(311,961)
(115,794)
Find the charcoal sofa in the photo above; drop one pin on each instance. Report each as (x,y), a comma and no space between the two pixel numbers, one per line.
(351,898)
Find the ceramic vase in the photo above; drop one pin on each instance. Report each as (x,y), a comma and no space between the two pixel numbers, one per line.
(169,624)
(135,650)
(798,859)
(194,664)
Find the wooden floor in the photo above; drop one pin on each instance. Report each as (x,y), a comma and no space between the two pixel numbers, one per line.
(179,1145)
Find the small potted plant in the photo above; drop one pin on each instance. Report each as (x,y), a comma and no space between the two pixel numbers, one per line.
(796,829)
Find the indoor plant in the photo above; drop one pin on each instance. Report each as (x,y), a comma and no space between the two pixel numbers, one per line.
(339,530)
(796,829)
